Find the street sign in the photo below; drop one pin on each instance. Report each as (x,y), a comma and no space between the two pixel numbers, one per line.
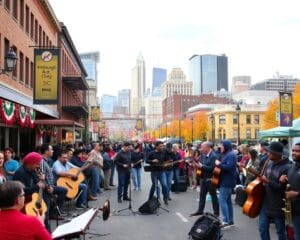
(286,109)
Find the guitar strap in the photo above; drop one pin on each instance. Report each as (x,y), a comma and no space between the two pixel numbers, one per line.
(264,167)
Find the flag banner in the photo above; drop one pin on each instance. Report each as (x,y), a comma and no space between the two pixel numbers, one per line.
(46,76)
(286,109)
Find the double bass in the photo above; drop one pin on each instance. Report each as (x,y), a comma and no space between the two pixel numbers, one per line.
(254,190)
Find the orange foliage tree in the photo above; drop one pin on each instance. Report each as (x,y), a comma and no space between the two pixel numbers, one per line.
(296,101)
(270,114)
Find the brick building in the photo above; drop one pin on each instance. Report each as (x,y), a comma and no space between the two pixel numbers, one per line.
(176,106)
(25,25)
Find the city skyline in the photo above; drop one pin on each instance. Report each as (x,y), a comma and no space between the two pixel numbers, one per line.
(259,38)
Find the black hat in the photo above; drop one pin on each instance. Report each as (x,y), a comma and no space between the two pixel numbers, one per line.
(275,148)
(169,146)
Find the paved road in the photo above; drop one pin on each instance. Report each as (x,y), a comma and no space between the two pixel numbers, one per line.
(173,225)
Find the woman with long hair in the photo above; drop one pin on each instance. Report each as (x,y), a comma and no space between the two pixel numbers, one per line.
(2,169)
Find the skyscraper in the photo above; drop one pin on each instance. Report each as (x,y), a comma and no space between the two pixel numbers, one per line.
(159,76)
(108,102)
(124,99)
(209,73)
(90,61)
(138,86)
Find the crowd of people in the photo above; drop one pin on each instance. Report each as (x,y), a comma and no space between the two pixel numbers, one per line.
(100,161)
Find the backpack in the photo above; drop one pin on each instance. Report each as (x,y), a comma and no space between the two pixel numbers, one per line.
(206,227)
(149,207)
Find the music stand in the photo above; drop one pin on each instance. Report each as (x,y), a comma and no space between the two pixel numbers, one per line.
(76,227)
(129,202)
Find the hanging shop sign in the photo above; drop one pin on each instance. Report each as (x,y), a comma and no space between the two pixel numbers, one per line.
(46,76)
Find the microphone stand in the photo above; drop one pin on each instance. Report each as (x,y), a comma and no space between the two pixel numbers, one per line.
(129,202)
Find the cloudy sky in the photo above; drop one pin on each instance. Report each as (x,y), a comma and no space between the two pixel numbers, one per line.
(260,37)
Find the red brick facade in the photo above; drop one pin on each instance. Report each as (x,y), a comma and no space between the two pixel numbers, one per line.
(176,106)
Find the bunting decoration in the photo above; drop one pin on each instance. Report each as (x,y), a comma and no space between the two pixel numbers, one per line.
(8,112)
(22,116)
(31,117)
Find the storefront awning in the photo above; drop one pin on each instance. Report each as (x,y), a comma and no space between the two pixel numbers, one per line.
(58,122)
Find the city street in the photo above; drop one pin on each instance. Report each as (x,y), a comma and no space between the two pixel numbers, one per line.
(174,225)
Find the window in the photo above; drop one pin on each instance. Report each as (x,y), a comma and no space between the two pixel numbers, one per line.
(44,39)
(222,119)
(248,133)
(31,25)
(40,35)
(22,13)
(36,31)
(15,71)
(248,119)
(257,133)
(27,71)
(15,9)
(31,74)
(234,133)
(7,4)
(27,19)
(21,67)
(235,119)
(6,49)
(256,119)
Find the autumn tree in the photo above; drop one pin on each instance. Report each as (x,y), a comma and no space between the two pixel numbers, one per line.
(296,101)
(270,115)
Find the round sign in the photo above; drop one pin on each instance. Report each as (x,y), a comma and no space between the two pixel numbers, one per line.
(46,56)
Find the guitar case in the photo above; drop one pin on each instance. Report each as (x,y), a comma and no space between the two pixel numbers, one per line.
(150,206)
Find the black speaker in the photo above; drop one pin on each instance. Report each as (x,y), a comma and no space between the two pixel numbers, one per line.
(182,184)
(150,206)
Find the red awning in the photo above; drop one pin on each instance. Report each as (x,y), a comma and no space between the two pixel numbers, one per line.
(58,122)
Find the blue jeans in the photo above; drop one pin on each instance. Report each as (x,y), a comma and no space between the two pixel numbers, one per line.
(136,177)
(169,179)
(93,174)
(82,199)
(226,204)
(176,178)
(296,223)
(264,223)
(123,182)
(61,195)
(155,177)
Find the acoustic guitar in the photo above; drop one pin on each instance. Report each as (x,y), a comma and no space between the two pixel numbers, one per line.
(37,205)
(72,184)
(254,191)
(215,180)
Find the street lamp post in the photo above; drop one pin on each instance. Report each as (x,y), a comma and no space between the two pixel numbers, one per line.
(212,118)
(192,119)
(238,111)
(10,61)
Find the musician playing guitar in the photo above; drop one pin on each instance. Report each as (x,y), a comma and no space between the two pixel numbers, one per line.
(228,176)
(157,157)
(274,192)
(207,165)
(27,174)
(137,157)
(60,169)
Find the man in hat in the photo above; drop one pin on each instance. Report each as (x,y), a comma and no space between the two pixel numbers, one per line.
(274,192)
(27,174)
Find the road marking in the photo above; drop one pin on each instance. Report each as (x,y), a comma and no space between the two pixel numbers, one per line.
(181,217)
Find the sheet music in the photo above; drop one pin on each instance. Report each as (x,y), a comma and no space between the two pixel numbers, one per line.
(77,224)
